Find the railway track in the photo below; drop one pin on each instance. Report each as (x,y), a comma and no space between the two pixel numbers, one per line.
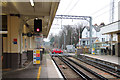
(103,64)
(75,69)
(103,72)
(65,70)
(83,70)
(104,67)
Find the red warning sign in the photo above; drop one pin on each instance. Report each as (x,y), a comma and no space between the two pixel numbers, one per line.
(15,40)
(37,55)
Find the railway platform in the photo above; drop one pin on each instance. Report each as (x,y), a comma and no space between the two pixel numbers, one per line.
(106,58)
(47,69)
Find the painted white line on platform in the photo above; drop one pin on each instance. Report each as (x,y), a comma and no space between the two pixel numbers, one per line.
(60,76)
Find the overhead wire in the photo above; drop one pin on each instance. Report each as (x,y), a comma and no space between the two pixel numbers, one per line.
(98,11)
(104,11)
(73,6)
(101,9)
(67,6)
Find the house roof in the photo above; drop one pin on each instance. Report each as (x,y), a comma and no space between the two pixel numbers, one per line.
(95,27)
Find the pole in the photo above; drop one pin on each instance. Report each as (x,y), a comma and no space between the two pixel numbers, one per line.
(111,44)
(113,10)
(90,23)
(64,40)
(71,38)
(79,38)
(58,43)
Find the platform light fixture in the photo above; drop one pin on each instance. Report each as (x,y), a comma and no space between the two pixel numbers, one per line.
(32,3)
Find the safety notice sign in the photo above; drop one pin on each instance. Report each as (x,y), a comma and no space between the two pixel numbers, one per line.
(36,56)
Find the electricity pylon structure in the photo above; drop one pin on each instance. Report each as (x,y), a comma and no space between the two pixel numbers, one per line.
(87,18)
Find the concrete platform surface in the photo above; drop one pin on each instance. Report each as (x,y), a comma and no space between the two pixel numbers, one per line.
(28,73)
(48,68)
(108,58)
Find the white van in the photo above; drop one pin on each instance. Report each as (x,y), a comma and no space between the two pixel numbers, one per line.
(70,48)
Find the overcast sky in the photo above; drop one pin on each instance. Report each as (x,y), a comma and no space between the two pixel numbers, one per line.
(99,10)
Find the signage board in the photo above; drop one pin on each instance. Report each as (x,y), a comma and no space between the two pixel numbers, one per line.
(93,50)
(36,56)
(15,41)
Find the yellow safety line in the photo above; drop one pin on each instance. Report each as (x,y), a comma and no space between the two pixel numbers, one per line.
(38,75)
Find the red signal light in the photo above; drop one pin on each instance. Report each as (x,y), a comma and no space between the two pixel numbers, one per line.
(37,29)
(37,25)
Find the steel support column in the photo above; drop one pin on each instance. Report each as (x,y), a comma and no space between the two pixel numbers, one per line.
(90,23)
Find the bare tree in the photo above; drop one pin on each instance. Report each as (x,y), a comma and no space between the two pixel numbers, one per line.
(71,34)
(79,28)
(61,38)
(50,36)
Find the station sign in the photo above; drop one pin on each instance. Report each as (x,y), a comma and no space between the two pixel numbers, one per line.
(93,50)
(36,56)
(14,41)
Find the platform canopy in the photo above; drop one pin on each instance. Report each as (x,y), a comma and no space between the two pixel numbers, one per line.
(42,9)
(112,28)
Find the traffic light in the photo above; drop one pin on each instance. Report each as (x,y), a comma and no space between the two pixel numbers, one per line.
(37,25)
